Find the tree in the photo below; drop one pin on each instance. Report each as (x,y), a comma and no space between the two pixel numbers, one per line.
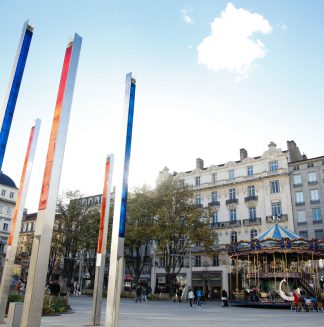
(69,217)
(178,224)
(88,240)
(139,231)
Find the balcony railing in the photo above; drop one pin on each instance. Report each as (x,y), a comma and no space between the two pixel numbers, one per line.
(300,203)
(251,198)
(199,205)
(230,201)
(298,185)
(312,182)
(214,204)
(315,201)
(271,219)
(227,224)
(249,222)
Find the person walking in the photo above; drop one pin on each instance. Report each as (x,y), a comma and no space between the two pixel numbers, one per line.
(199,294)
(224,298)
(139,294)
(144,297)
(191,297)
(179,294)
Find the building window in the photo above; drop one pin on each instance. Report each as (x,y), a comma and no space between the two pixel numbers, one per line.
(314,196)
(297,180)
(197,180)
(232,194)
(319,234)
(11,195)
(273,166)
(3,192)
(301,217)
(5,226)
(303,234)
(253,234)
(214,197)
(299,197)
(233,237)
(215,260)
(215,217)
(231,174)
(310,165)
(197,261)
(8,210)
(276,209)
(1,208)
(312,179)
(317,215)
(233,215)
(251,190)
(252,213)
(198,200)
(296,167)
(214,178)
(275,187)
(250,170)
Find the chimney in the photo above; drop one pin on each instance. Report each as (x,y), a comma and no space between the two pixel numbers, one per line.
(199,163)
(294,153)
(243,154)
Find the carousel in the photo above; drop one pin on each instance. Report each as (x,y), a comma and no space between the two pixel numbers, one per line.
(274,268)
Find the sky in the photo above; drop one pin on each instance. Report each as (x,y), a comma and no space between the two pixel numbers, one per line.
(212,77)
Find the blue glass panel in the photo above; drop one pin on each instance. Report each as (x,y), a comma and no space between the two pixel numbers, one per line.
(123,208)
(13,95)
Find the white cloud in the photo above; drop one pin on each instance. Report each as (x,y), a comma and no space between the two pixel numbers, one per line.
(230,45)
(283,26)
(186,16)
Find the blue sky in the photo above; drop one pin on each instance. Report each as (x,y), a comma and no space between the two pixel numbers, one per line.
(184,109)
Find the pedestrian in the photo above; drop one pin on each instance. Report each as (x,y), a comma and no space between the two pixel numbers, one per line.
(22,287)
(191,297)
(179,294)
(56,289)
(144,296)
(224,299)
(199,294)
(139,294)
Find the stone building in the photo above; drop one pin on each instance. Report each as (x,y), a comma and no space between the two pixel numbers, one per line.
(8,197)
(243,198)
(307,193)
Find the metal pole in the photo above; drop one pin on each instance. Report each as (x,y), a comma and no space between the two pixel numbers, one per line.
(17,217)
(119,221)
(14,86)
(34,296)
(102,243)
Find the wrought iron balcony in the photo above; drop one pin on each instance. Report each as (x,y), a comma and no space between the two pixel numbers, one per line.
(279,218)
(200,205)
(251,198)
(298,185)
(227,224)
(249,222)
(315,201)
(230,201)
(312,182)
(214,204)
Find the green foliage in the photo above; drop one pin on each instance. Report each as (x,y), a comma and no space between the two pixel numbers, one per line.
(55,305)
(15,298)
(178,224)
(139,230)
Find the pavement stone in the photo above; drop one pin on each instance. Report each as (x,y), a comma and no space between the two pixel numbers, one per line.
(170,314)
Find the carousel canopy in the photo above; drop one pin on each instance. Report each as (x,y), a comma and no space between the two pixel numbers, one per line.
(277,232)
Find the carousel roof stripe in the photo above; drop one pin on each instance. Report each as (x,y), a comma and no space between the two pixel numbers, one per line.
(277,232)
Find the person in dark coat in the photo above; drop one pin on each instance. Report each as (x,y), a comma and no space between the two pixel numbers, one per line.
(139,294)
(224,298)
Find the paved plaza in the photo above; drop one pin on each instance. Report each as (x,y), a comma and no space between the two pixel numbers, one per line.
(163,313)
